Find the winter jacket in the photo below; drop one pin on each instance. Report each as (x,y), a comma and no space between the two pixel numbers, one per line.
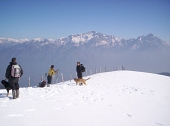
(78,69)
(51,72)
(8,73)
(79,73)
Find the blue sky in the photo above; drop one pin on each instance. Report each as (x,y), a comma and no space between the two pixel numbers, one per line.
(59,18)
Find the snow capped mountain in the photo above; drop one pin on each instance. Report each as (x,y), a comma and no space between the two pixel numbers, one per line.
(145,53)
(95,39)
(10,40)
(149,41)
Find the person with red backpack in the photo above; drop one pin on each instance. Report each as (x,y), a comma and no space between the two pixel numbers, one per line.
(13,73)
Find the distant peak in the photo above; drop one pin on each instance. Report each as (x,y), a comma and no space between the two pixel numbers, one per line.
(38,39)
(146,36)
(150,35)
(91,32)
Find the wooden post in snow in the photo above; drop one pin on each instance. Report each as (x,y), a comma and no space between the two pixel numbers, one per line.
(96,70)
(90,72)
(28,81)
(62,77)
(70,78)
(42,78)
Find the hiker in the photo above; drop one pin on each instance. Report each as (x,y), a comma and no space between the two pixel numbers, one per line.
(13,74)
(78,69)
(51,73)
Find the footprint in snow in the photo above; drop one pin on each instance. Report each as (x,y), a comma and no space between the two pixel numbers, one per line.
(129,115)
(159,124)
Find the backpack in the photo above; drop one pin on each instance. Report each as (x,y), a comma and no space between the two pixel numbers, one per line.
(42,84)
(83,69)
(16,71)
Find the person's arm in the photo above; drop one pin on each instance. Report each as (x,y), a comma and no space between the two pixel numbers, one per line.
(8,70)
(53,72)
(21,71)
(76,69)
(56,71)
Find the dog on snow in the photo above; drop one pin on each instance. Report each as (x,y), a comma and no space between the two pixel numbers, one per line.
(7,86)
(81,80)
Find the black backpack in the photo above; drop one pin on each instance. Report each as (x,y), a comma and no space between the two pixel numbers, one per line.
(83,69)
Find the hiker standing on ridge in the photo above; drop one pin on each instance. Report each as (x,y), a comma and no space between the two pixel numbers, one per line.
(51,73)
(13,73)
(78,70)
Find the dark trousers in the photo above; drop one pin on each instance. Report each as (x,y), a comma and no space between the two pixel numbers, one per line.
(14,83)
(79,75)
(49,79)
(15,86)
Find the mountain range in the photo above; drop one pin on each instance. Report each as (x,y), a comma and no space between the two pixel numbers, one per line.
(93,39)
(95,50)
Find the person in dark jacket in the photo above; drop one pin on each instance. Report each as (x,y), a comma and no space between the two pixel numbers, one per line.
(13,81)
(78,70)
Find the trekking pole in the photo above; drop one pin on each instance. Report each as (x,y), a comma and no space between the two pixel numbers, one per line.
(56,78)
(46,79)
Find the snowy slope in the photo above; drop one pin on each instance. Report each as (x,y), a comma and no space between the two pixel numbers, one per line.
(121,98)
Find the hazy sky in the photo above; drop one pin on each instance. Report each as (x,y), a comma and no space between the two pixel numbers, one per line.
(59,18)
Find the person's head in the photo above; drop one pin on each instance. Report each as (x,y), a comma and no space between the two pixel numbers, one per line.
(52,66)
(13,59)
(78,63)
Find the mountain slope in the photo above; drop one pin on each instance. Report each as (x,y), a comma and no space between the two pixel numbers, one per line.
(122,98)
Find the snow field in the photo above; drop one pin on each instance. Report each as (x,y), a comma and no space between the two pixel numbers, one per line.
(121,98)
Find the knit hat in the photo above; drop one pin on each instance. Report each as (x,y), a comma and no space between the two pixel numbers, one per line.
(13,59)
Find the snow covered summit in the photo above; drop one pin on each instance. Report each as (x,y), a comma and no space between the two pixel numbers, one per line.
(121,98)
(95,39)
